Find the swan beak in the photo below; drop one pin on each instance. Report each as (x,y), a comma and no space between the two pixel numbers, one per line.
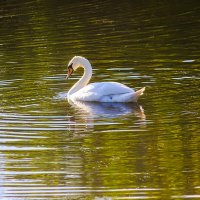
(70,71)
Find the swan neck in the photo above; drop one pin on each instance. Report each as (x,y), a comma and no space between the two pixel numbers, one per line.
(84,80)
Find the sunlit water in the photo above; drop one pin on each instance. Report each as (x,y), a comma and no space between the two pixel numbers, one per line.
(53,149)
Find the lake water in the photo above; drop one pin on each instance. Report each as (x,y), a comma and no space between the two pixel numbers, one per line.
(51,149)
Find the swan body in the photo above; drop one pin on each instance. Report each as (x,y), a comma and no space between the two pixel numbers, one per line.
(101,91)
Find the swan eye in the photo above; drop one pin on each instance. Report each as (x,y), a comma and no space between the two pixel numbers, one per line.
(70,70)
(70,66)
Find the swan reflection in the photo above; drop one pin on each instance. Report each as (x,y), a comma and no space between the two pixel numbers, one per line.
(108,110)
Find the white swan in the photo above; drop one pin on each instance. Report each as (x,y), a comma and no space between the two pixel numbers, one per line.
(100,92)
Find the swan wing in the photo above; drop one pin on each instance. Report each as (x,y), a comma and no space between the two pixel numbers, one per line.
(97,91)
(106,88)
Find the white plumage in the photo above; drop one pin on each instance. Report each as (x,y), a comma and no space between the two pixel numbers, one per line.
(100,92)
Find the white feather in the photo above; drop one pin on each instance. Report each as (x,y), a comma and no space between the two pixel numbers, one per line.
(102,91)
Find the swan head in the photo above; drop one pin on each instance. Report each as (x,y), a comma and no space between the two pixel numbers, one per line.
(75,63)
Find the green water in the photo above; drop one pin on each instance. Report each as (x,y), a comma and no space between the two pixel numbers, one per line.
(50,149)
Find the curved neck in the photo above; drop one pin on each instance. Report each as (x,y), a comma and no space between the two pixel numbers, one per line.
(84,79)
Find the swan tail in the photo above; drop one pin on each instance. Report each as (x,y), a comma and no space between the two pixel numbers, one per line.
(138,94)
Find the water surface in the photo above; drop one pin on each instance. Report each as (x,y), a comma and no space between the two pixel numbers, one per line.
(51,149)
